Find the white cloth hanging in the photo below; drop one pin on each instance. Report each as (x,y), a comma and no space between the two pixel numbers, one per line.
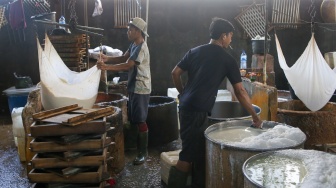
(60,86)
(98,10)
(313,81)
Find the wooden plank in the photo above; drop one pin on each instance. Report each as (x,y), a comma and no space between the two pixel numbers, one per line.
(59,118)
(90,160)
(39,176)
(92,144)
(54,112)
(69,139)
(103,184)
(70,171)
(54,129)
(89,116)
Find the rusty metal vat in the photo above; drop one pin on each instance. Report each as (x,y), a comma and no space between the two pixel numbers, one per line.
(290,168)
(117,121)
(328,11)
(162,120)
(224,162)
(230,110)
(113,99)
(117,163)
(286,166)
(319,126)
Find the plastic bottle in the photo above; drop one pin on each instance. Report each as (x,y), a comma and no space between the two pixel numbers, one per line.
(243,60)
(61,21)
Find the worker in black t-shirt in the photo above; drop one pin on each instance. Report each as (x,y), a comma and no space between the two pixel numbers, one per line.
(207,66)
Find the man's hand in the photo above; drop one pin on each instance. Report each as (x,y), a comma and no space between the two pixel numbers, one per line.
(103,58)
(101,65)
(257,123)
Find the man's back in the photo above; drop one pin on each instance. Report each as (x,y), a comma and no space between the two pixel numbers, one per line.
(207,66)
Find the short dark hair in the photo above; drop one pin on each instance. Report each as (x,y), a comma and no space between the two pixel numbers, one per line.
(219,26)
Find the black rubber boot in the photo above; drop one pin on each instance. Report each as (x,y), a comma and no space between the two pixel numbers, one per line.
(177,179)
(142,148)
(198,176)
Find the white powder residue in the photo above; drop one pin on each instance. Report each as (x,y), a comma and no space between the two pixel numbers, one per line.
(278,137)
(321,167)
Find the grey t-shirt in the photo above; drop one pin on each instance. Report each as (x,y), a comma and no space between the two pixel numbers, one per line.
(139,77)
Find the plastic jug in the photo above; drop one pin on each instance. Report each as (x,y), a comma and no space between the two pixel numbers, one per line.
(61,21)
(19,132)
(243,60)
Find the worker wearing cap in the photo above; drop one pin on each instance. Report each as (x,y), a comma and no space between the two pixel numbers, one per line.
(136,61)
(207,66)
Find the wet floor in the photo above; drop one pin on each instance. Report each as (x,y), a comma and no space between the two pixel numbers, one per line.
(13,172)
(146,175)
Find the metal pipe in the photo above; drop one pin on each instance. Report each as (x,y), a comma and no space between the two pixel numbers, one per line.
(297,11)
(265,44)
(274,11)
(67,25)
(86,22)
(290,11)
(89,32)
(124,13)
(147,6)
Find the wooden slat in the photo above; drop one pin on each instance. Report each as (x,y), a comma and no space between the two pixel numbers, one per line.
(92,160)
(102,184)
(53,129)
(37,176)
(92,144)
(54,112)
(89,116)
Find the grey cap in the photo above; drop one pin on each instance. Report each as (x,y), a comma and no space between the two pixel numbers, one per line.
(140,24)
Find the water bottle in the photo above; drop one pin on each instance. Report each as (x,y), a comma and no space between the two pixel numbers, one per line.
(243,60)
(61,21)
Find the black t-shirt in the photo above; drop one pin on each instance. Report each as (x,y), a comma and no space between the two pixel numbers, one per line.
(207,66)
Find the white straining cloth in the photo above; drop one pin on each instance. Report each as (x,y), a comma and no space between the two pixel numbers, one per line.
(313,81)
(60,86)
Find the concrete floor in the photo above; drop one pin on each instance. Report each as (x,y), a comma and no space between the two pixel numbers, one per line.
(13,172)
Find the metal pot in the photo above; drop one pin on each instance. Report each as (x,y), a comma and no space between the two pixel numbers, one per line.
(224,162)
(162,120)
(319,126)
(230,110)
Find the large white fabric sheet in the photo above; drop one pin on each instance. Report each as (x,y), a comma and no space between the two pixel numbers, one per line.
(60,86)
(312,79)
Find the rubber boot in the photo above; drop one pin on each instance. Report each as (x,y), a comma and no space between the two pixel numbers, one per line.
(198,176)
(142,148)
(177,178)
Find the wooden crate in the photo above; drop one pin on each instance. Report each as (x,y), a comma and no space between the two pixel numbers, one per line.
(103,184)
(39,146)
(56,129)
(95,175)
(92,159)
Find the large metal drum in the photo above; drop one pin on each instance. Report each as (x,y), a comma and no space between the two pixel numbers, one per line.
(117,121)
(230,110)
(289,168)
(162,120)
(319,126)
(113,99)
(224,159)
(116,150)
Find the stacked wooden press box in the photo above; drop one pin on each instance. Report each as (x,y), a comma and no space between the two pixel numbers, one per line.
(71,154)
(72,50)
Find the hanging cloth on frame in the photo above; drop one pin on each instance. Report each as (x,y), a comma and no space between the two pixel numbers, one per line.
(313,81)
(16,15)
(60,86)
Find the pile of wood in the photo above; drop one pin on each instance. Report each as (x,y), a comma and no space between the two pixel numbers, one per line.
(71,146)
(72,50)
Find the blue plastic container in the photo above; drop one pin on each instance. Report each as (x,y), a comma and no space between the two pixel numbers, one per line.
(17,97)
(15,101)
